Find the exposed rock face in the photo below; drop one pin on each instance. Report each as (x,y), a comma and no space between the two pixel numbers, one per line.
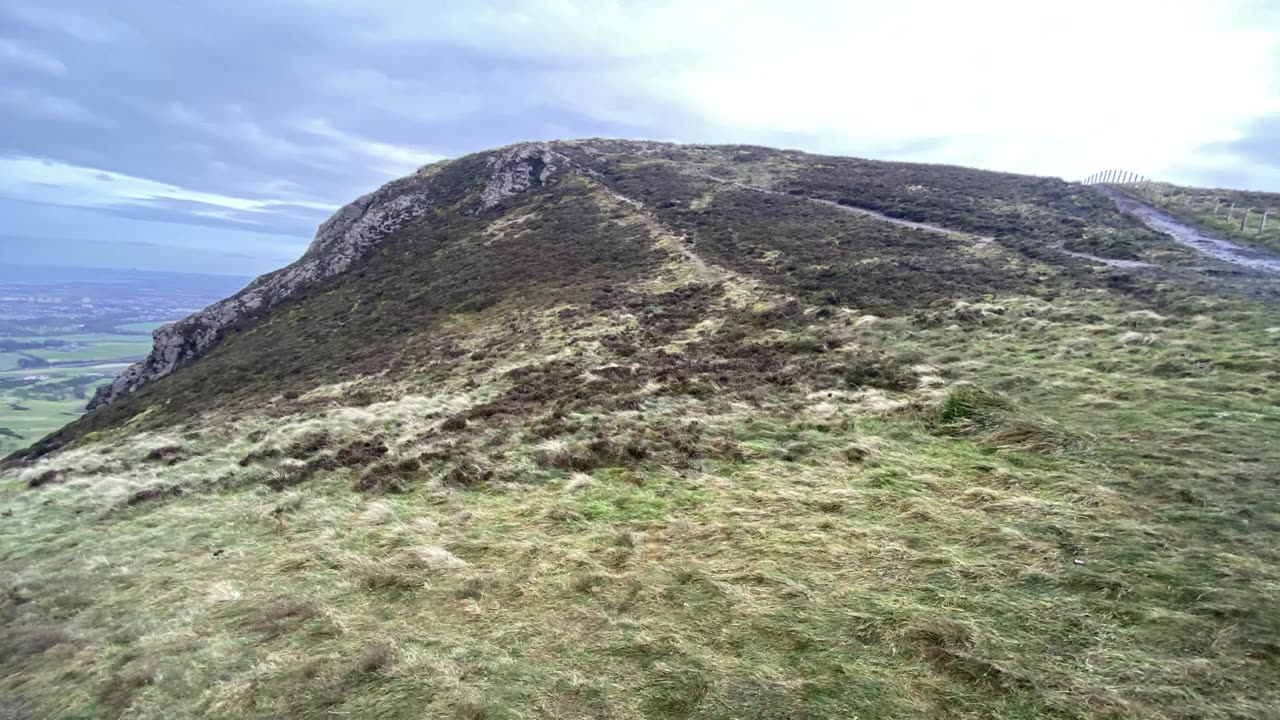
(341,241)
(518,168)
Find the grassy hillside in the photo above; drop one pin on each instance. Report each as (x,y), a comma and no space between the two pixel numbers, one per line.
(733,454)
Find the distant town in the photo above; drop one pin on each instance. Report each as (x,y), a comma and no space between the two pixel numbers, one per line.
(66,331)
(48,302)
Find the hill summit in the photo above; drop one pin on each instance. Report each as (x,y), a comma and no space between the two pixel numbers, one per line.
(606,428)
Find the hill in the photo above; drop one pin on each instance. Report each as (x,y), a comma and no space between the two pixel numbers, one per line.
(620,429)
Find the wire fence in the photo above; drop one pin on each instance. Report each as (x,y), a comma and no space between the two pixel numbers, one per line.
(1225,211)
(1116,177)
(1232,213)
(1261,214)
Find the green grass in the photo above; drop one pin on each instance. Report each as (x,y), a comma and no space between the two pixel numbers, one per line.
(677,498)
(929,573)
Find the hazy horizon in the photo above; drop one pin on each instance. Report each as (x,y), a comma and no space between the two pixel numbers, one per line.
(22,271)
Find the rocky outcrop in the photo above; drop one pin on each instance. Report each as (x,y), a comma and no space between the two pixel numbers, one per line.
(341,241)
(518,168)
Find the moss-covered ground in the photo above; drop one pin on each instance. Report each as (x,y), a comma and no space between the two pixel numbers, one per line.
(703,491)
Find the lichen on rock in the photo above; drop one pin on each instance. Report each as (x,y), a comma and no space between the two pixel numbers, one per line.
(517,168)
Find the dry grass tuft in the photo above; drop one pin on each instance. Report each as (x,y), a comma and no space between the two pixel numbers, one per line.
(996,421)
(433,557)
(377,513)
(1136,338)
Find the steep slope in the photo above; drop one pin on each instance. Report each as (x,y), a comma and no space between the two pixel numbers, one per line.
(340,242)
(430,215)
(620,429)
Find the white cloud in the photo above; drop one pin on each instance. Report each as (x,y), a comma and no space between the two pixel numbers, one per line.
(313,141)
(50,107)
(1011,84)
(399,99)
(1061,89)
(16,53)
(358,92)
(91,27)
(47,181)
(386,157)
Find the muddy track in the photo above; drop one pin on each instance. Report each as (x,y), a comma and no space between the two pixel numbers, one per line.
(1210,245)
(1113,262)
(979,240)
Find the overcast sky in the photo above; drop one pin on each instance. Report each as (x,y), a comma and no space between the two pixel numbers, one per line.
(228,130)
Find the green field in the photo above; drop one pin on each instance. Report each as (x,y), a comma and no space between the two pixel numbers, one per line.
(108,369)
(33,408)
(37,401)
(142,327)
(96,351)
(38,419)
(82,338)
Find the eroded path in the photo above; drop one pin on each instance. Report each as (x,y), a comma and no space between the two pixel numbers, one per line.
(1214,247)
(979,240)
(677,242)
(1113,262)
